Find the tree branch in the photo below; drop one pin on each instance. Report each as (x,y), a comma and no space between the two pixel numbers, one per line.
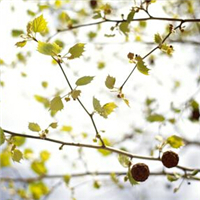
(119,21)
(108,148)
(78,175)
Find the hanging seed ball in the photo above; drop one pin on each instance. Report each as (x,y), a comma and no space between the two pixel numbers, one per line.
(93,3)
(170,159)
(140,172)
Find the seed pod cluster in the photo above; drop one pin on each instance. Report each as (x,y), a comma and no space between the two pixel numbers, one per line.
(140,172)
(170,159)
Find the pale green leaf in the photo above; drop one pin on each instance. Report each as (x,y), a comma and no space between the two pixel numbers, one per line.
(44,84)
(44,155)
(56,104)
(131,179)
(157,38)
(53,125)
(38,189)
(107,109)
(42,100)
(39,167)
(17,33)
(155,118)
(141,66)
(130,16)
(172,178)
(75,94)
(34,127)
(19,141)
(110,82)
(39,24)
(97,105)
(21,43)
(96,184)
(2,136)
(124,160)
(28,153)
(48,48)
(84,80)
(67,179)
(17,155)
(175,141)
(5,158)
(76,51)
(124,27)
(105,152)
(66,128)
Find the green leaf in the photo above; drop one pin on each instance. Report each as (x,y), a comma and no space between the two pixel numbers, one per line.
(44,84)
(2,136)
(155,118)
(5,158)
(38,189)
(66,128)
(195,172)
(157,38)
(84,80)
(53,125)
(130,16)
(16,32)
(124,27)
(97,105)
(28,153)
(110,82)
(100,65)
(39,24)
(64,17)
(39,167)
(172,178)
(56,104)
(48,48)
(141,66)
(19,141)
(17,155)
(21,43)
(44,155)
(76,51)
(67,179)
(97,15)
(124,160)
(105,152)
(131,179)
(96,184)
(42,100)
(34,127)
(175,141)
(168,49)
(107,109)
(75,94)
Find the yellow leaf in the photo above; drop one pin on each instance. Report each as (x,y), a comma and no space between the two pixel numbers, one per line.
(108,108)
(48,48)
(39,24)
(21,43)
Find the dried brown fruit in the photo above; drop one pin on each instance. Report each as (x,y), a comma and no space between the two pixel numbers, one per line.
(93,4)
(140,172)
(170,159)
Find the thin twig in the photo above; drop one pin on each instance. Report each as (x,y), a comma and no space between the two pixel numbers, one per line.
(108,148)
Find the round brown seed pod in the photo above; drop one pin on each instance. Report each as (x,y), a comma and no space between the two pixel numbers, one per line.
(170,159)
(140,172)
(93,3)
